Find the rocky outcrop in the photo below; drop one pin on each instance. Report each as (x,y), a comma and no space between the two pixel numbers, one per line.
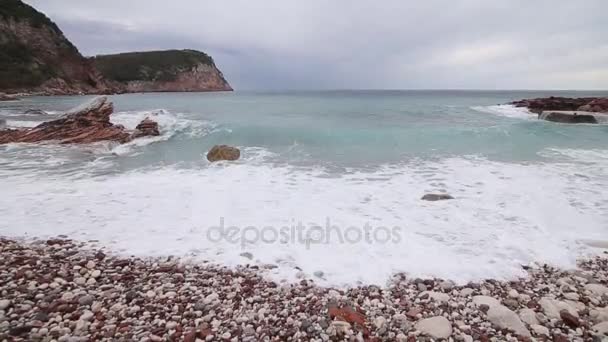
(599,105)
(223,152)
(590,110)
(585,104)
(87,123)
(163,71)
(35,56)
(146,128)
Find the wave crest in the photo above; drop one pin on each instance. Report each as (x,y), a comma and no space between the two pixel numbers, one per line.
(508,111)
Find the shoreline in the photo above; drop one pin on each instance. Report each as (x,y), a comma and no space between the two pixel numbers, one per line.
(62,289)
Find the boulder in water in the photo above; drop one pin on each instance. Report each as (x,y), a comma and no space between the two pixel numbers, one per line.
(146,128)
(86,123)
(223,152)
(436,197)
(568,117)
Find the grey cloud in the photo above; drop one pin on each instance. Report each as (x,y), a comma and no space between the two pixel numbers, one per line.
(360,43)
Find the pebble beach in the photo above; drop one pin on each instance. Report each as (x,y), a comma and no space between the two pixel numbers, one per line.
(62,290)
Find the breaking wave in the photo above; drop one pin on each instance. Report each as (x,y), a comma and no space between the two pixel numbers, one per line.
(508,111)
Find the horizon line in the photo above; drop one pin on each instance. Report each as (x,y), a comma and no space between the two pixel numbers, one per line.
(414,89)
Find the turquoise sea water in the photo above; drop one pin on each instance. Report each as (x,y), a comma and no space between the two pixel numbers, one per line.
(526,190)
(348,128)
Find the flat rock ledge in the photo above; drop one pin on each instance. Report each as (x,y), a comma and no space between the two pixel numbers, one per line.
(574,117)
(62,290)
(87,123)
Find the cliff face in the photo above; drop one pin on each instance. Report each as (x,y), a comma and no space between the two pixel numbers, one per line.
(163,71)
(35,56)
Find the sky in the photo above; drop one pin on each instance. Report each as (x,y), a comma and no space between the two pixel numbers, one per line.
(359,44)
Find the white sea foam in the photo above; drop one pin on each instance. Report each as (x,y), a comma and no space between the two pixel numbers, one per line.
(169,125)
(504,214)
(508,111)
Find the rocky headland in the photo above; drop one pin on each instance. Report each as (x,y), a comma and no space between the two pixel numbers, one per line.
(36,58)
(163,71)
(87,123)
(568,110)
(67,291)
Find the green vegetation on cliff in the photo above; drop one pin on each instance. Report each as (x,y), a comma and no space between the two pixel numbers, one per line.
(149,66)
(19,11)
(36,57)
(29,45)
(18,67)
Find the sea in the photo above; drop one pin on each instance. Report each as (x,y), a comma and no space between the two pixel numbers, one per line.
(328,186)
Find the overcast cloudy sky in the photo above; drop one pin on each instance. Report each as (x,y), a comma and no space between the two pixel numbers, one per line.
(389,44)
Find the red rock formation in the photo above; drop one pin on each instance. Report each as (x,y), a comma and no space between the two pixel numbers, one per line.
(163,71)
(146,128)
(84,124)
(597,105)
(587,104)
(201,78)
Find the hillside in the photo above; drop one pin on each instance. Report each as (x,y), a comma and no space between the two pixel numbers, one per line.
(35,56)
(172,70)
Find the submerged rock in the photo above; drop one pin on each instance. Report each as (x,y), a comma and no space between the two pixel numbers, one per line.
(223,152)
(436,197)
(86,123)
